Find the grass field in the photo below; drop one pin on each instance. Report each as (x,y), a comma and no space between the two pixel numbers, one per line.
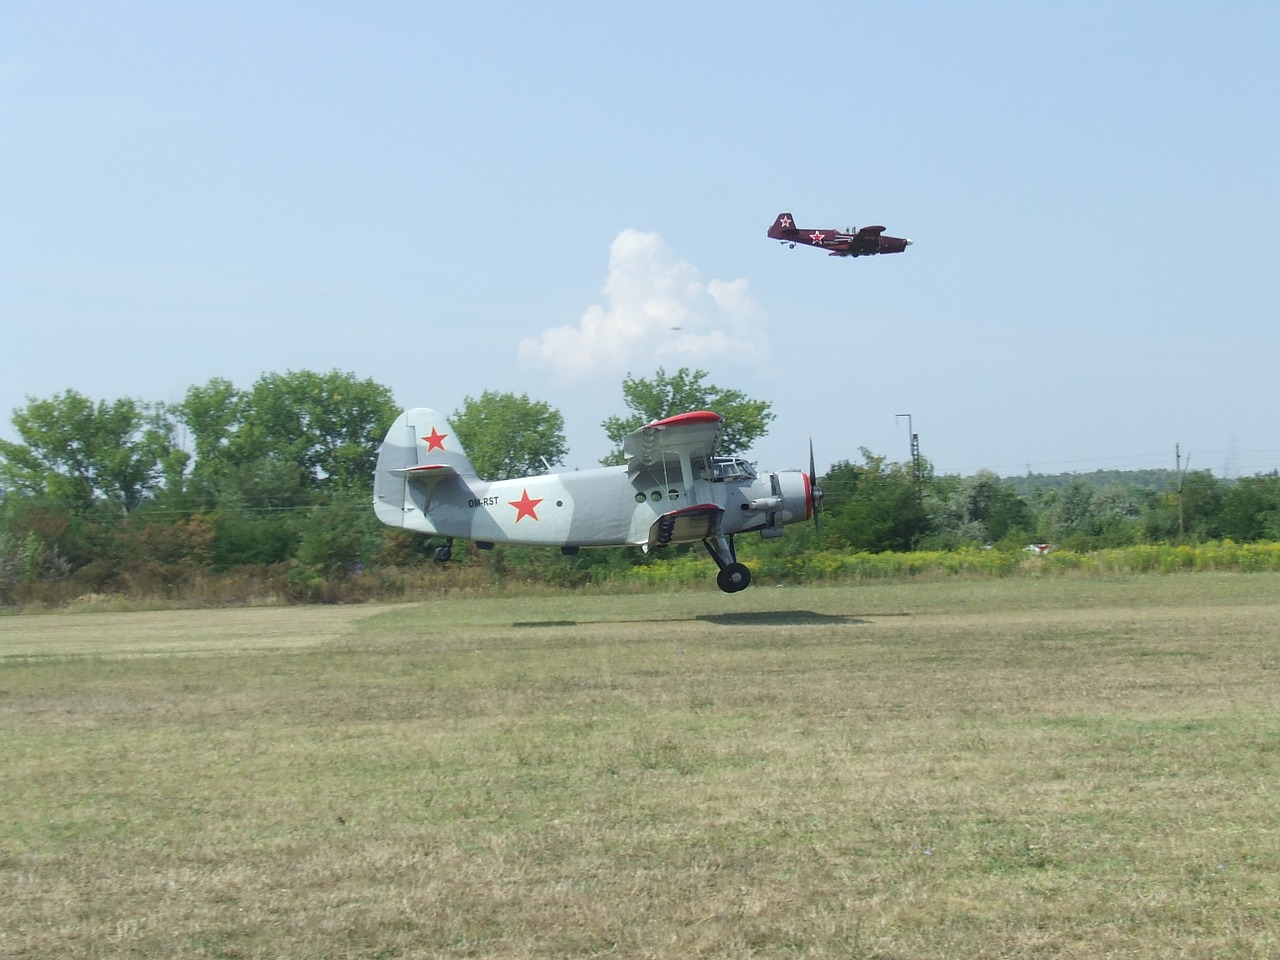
(1010,768)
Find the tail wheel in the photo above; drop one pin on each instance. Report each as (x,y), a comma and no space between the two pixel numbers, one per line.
(733,577)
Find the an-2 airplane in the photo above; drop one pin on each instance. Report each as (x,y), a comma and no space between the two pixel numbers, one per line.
(839,243)
(673,488)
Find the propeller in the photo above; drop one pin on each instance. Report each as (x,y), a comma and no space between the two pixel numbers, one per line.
(815,495)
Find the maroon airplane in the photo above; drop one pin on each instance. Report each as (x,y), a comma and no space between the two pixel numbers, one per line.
(838,243)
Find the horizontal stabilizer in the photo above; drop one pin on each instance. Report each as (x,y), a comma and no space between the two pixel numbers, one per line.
(425,471)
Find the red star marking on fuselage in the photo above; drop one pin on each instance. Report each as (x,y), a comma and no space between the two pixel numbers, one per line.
(435,440)
(817,237)
(526,506)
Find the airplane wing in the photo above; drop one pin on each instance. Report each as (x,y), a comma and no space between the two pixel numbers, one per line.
(664,442)
(698,522)
(864,242)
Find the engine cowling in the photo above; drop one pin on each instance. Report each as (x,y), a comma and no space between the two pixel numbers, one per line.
(796,493)
(791,499)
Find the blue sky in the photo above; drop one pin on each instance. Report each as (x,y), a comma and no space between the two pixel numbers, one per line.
(541,198)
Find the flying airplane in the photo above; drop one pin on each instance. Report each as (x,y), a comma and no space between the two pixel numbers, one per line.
(839,243)
(672,489)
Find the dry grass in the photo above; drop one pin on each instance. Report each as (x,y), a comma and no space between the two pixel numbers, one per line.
(996,769)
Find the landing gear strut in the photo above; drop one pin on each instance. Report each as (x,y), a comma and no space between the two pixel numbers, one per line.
(733,576)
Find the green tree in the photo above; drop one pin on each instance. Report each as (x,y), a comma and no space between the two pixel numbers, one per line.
(1202,505)
(873,506)
(977,509)
(329,425)
(338,535)
(1191,511)
(289,443)
(322,429)
(212,413)
(27,560)
(1072,510)
(75,452)
(1251,509)
(745,420)
(508,436)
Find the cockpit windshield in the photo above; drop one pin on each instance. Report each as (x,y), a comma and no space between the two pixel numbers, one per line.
(731,469)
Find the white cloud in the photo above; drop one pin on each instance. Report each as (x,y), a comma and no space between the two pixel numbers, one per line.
(656,309)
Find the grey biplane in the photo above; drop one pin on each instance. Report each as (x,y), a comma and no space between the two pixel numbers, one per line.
(672,489)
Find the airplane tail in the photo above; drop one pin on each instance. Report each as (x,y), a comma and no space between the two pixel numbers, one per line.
(784,226)
(420,444)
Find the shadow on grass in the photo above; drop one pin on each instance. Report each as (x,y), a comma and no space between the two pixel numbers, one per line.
(778,618)
(758,618)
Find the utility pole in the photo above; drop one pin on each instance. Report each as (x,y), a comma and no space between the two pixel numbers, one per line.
(1177,462)
(915,447)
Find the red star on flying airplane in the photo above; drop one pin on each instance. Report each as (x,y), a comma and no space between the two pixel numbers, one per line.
(526,506)
(435,441)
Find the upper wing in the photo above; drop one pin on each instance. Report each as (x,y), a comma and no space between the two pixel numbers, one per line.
(691,435)
(870,233)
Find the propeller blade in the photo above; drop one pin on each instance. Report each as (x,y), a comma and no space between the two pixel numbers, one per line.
(815,496)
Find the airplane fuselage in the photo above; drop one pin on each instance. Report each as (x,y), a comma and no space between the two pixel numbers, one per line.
(866,242)
(585,508)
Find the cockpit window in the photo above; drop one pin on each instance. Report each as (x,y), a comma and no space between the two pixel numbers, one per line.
(731,469)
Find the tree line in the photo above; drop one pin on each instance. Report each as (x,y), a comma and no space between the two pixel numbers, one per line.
(117,495)
(884,506)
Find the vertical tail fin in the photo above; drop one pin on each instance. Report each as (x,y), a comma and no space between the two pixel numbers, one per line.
(419,437)
(784,226)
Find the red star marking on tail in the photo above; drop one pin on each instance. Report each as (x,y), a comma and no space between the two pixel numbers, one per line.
(435,440)
(526,506)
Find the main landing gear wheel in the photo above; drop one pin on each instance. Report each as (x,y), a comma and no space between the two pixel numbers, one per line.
(444,554)
(733,577)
